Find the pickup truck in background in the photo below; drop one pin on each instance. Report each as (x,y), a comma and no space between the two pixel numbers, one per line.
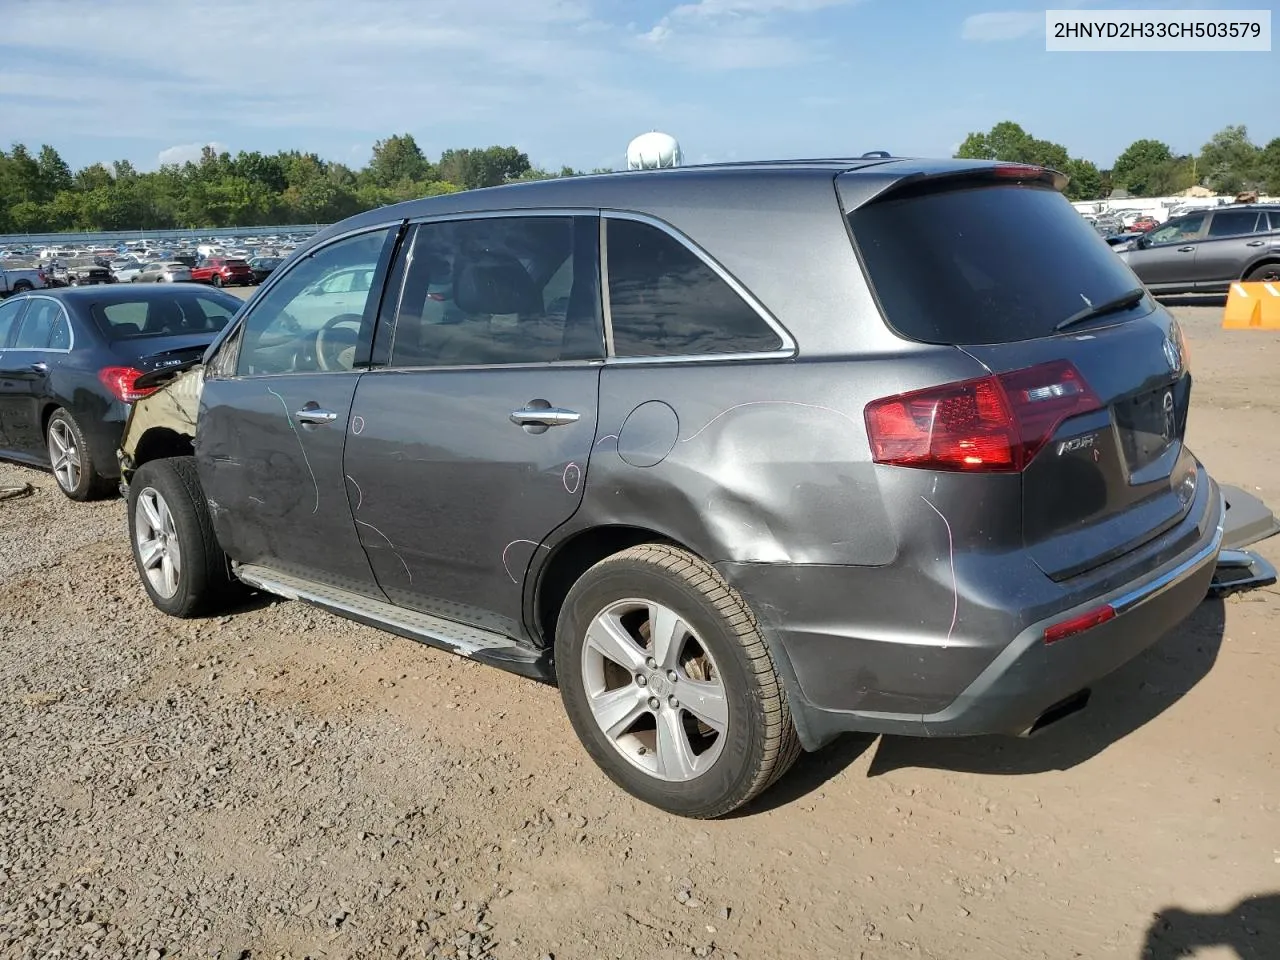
(20,280)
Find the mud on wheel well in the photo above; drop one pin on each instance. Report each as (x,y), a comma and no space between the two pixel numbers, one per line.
(573,559)
(160,443)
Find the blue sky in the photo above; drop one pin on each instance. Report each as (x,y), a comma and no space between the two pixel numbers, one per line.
(571,81)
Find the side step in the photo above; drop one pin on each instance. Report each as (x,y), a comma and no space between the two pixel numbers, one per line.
(491,648)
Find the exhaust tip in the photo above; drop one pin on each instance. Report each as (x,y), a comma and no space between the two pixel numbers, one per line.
(1059,711)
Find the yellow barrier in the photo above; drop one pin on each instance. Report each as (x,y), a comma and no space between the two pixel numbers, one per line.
(1252,306)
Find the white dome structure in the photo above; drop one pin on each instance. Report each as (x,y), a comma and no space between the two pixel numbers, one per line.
(651,151)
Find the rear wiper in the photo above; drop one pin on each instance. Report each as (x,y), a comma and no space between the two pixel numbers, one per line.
(1122,302)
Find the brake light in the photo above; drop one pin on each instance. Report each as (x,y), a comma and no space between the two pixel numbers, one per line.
(1019,171)
(1086,621)
(994,424)
(120,381)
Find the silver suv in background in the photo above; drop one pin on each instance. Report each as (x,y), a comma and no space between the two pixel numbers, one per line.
(741,456)
(1208,250)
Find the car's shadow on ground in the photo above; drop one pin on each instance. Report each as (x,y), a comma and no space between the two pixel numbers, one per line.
(1251,928)
(1128,699)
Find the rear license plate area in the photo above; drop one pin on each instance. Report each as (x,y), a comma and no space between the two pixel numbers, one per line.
(1147,425)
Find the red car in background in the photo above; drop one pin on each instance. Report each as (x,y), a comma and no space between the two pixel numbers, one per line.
(223,272)
(1144,224)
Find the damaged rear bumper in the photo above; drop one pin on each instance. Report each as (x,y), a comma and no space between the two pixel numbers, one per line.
(965,682)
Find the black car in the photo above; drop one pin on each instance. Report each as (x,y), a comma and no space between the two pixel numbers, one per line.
(89,274)
(69,359)
(262,267)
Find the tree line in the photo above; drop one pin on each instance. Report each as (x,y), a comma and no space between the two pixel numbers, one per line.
(1230,163)
(39,193)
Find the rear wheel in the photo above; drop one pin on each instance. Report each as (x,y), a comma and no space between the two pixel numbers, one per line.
(669,685)
(71,459)
(183,569)
(22,286)
(1266,273)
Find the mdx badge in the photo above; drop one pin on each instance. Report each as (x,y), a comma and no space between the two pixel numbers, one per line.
(1077,443)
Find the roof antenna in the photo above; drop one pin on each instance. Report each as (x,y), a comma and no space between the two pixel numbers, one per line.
(878,153)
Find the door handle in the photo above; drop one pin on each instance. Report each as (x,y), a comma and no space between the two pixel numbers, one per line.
(1256,243)
(40,367)
(544,416)
(315,415)
(1186,249)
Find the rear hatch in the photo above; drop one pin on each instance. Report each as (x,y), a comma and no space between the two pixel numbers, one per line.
(994,262)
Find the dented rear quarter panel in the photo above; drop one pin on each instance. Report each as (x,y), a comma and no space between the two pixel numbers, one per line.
(173,407)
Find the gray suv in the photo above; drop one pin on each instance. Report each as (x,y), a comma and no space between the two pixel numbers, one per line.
(741,457)
(1207,251)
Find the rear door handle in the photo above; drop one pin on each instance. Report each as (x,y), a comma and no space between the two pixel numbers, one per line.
(315,415)
(544,416)
(1186,249)
(1256,243)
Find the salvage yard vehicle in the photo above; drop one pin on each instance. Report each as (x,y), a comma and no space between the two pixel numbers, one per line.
(741,457)
(164,271)
(223,272)
(1208,250)
(69,362)
(21,279)
(87,274)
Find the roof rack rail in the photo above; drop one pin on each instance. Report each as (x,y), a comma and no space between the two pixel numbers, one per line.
(877,153)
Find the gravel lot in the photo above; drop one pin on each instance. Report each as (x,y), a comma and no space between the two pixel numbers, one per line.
(282,783)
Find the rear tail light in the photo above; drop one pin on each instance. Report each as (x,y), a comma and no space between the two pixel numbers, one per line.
(1086,621)
(994,424)
(120,381)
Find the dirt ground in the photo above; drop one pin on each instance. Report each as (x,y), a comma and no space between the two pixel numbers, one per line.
(285,783)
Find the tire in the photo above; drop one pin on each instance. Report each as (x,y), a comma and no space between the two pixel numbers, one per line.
(217,280)
(165,497)
(1264,273)
(756,742)
(71,460)
(22,286)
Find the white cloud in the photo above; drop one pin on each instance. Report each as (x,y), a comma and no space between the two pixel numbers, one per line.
(734,34)
(187,152)
(1001,25)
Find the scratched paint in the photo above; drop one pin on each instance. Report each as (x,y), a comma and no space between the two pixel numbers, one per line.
(762,403)
(532,543)
(571,478)
(395,552)
(302,446)
(359,492)
(951,558)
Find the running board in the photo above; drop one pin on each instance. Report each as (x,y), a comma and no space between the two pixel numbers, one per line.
(491,648)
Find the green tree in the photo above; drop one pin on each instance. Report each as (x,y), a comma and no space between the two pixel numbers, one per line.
(397,159)
(1086,180)
(53,171)
(1269,167)
(1140,164)
(1229,161)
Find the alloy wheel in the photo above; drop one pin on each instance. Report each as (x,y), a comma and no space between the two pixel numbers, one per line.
(156,538)
(654,690)
(64,455)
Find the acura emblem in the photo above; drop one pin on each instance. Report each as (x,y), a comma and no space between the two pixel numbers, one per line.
(1171,354)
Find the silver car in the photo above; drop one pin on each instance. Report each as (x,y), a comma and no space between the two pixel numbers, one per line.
(164,272)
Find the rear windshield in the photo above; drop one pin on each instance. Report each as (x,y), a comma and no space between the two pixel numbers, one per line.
(988,264)
(237,263)
(166,316)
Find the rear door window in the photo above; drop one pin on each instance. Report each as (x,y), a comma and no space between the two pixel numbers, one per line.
(984,264)
(44,327)
(666,301)
(1233,223)
(9,313)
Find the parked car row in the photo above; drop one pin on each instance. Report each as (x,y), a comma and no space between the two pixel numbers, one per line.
(918,469)
(1207,250)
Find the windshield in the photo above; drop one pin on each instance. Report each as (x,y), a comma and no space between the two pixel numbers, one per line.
(988,264)
(163,316)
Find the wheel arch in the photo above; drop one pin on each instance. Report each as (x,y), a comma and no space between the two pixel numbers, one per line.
(1269,258)
(574,556)
(161,443)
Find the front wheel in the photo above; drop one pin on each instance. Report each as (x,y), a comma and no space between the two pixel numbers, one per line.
(183,569)
(669,684)
(217,280)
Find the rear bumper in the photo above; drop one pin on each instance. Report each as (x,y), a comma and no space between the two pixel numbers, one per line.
(842,681)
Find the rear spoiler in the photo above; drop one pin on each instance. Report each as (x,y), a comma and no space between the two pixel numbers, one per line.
(896,179)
